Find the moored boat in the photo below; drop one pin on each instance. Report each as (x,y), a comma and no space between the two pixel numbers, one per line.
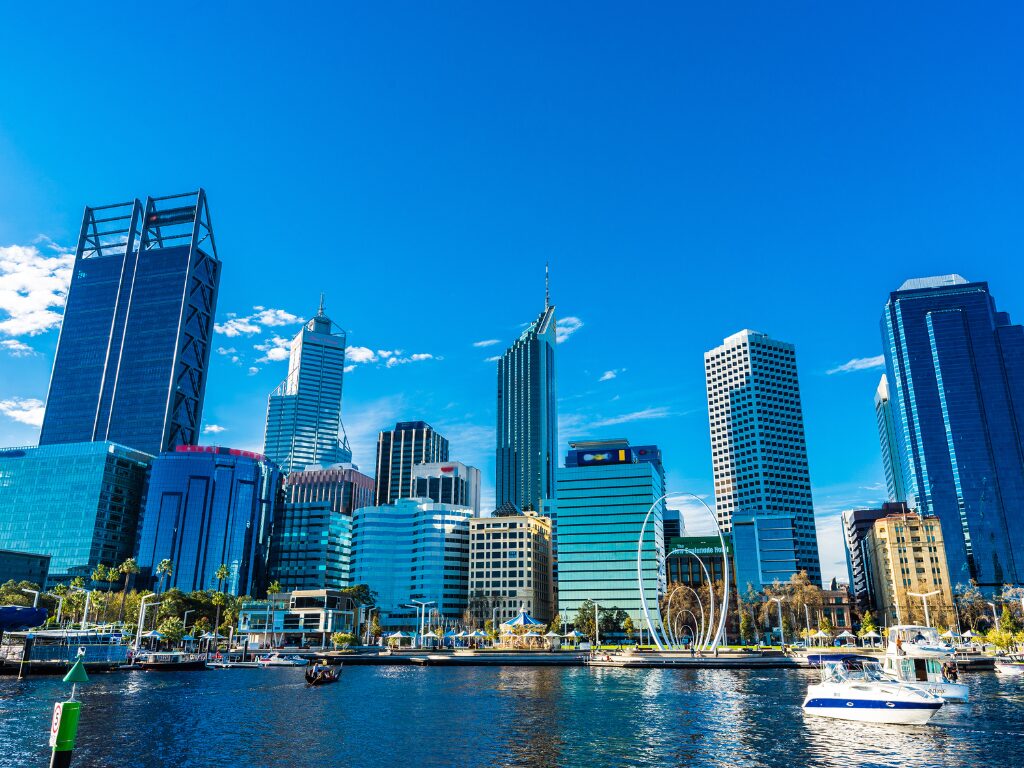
(855,696)
(277,660)
(322,675)
(926,673)
(1012,665)
(170,661)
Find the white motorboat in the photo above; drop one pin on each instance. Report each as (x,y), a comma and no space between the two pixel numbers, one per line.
(917,641)
(854,696)
(277,660)
(921,673)
(1012,665)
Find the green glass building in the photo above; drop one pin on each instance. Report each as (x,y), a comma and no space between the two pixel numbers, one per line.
(600,506)
(76,502)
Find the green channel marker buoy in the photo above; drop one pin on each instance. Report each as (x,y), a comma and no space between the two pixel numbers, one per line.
(64,726)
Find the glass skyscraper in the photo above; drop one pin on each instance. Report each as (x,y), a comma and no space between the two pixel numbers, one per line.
(398,451)
(759,454)
(527,432)
(888,439)
(209,506)
(956,365)
(311,547)
(134,347)
(413,550)
(304,413)
(448,482)
(604,492)
(78,503)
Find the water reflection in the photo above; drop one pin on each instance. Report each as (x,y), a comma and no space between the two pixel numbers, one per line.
(377,717)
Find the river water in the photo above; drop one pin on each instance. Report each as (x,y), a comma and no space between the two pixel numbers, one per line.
(386,717)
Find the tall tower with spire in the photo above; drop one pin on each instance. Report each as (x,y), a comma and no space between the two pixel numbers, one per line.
(527,432)
(304,413)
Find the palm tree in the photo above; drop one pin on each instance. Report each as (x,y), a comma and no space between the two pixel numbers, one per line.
(223,573)
(128,568)
(164,569)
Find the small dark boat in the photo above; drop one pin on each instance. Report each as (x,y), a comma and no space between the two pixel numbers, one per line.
(323,677)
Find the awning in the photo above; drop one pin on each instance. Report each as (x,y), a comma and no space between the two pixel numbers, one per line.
(523,620)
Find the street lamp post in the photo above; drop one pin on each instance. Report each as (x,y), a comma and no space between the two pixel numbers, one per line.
(142,619)
(782,632)
(184,621)
(423,615)
(35,599)
(995,615)
(924,599)
(88,595)
(60,605)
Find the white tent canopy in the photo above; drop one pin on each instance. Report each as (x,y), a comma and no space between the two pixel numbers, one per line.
(845,633)
(819,633)
(873,635)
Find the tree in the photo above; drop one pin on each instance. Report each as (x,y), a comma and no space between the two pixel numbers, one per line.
(219,600)
(374,627)
(172,629)
(361,593)
(164,569)
(128,569)
(489,629)
(556,623)
(746,627)
(628,628)
(222,574)
(584,621)
(274,588)
(825,625)
(342,639)
(1000,638)
(867,624)
(1008,621)
(11,594)
(971,603)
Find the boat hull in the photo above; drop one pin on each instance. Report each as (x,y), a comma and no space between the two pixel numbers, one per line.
(872,711)
(172,666)
(1013,669)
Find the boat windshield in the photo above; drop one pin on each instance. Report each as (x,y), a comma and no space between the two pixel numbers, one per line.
(917,635)
(872,670)
(834,672)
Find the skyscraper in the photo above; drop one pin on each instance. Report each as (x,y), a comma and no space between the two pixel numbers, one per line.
(134,347)
(956,365)
(758,449)
(448,482)
(209,506)
(304,412)
(528,416)
(398,451)
(888,440)
(604,494)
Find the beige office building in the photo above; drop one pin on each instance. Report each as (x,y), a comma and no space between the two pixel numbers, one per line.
(510,567)
(908,555)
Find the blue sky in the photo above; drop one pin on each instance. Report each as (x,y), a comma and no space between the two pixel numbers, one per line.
(687,172)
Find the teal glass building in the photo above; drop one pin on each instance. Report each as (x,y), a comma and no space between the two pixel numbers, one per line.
(600,507)
(134,348)
(311,546)
(78,503)
(956,367)
(209,506)
(414,549)
(527,433)
(304,413)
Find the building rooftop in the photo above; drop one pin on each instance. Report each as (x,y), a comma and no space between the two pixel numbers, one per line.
(938,281)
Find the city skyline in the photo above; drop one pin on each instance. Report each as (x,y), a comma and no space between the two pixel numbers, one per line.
(669,223)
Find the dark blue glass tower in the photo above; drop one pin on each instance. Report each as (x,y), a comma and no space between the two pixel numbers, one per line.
(957,367)
(134,346)
(528,417)
(207,507)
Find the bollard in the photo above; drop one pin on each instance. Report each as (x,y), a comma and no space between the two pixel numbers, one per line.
(64,726)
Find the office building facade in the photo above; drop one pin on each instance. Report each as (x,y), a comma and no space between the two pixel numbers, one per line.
(511,567)
(908,555)
(398,451)
(311,546)
(956,367)
(600,507)
(134,348)
(758,449)
(79,503)
(766,550)
(209,506)
(24,566)
(857,527)
(690,560)
(414,549)
(448,482)
(304,426)
(527,407)
(888,440)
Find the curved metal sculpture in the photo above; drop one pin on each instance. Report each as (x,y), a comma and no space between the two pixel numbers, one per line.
(725,573)
(711,592)
(640,576)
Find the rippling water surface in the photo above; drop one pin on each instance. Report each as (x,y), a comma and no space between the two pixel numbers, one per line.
(511,716)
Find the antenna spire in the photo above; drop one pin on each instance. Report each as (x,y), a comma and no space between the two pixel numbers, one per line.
(320,312)
(547,287)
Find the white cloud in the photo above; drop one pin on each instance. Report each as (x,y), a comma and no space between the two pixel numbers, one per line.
(416,358)
(16,348)
(365,422)
(253,370)
(859,364)
(493,359)
(349,368)
(608,375)
(26,410)
(274,348)
(486,343)
(566,327)
(213,429)
(33,288)
(227,351)
(661,412)
(253,323)
(360,355)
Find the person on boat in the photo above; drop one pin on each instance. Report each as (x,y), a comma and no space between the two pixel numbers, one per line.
(918,638)
(950,672)
(899,645)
